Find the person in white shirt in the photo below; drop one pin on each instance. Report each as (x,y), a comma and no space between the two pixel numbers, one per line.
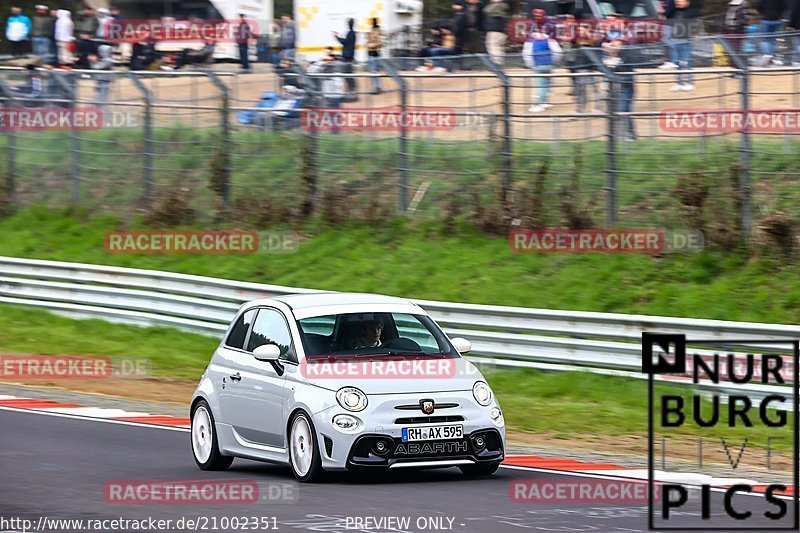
(64,36)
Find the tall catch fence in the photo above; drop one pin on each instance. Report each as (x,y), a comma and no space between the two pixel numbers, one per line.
(243,148)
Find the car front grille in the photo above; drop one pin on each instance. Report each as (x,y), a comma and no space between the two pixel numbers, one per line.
(417,407)
(429,419)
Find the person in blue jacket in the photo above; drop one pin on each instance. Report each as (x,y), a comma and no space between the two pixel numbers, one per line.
(18,31)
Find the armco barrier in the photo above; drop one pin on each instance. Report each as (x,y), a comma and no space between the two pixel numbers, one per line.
(513,336)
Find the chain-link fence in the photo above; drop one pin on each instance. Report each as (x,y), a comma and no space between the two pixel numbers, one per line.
(586,144)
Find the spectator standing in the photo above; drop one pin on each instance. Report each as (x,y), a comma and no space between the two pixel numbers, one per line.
(771,13)
(87,23)
(794,26)
(682,16)
(459,28)
(736,22)
(43,32)
(288,37)
(243,35)
(18,31)
(495,15)
(104,19)
(586,87)
(64,33)
(542,23)
(666,10)
(619,61)
(85,30)
(348,43)
(274,43)
(541,53)
(102,61)
(473,15)
(374,47)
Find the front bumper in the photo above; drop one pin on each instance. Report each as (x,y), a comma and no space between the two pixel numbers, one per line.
(481,446)
(386,416)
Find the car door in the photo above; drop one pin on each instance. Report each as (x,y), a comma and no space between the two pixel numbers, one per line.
(226,367)
(254,403)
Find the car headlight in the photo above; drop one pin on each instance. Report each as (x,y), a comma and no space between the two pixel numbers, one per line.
(351,399)
(497,416)
(345,423)
(482,393)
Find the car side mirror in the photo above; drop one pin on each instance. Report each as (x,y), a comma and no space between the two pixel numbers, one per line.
(267,352)
(461,345)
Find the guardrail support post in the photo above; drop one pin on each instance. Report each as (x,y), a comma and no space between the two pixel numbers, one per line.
(147,132)
(402,185)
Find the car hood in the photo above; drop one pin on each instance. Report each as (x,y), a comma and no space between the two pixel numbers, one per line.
(394,376)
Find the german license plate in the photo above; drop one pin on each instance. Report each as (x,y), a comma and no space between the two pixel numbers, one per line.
(455,431)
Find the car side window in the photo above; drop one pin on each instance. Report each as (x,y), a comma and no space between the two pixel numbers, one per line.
(238,334)
(270,327)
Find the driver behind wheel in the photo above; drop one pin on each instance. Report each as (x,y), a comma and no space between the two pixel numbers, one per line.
(370,337)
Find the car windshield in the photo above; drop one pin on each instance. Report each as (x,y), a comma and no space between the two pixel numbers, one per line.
(374,334)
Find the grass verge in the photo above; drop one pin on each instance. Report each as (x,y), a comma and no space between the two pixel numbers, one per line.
(430,262)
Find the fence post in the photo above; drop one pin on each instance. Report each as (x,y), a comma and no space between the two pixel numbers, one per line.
(402,186)
(68,83)
(147,132)
(309,164)
(745,186)
(507,155)
(11,170)
(226,134)
(611,146)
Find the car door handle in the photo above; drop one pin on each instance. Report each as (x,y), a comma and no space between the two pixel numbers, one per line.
(236,377)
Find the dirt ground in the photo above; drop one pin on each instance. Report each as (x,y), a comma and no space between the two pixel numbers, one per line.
(475,96)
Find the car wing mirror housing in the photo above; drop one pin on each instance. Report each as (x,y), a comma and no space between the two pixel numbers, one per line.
(461,344)
(267,352)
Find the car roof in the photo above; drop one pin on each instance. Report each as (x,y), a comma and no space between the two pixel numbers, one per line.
(323,303)
(320,299)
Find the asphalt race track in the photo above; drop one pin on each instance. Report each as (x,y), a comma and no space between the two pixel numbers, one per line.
(59,467)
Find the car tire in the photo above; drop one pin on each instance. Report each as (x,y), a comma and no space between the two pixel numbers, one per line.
(479,470)
(304,456)
(203,435)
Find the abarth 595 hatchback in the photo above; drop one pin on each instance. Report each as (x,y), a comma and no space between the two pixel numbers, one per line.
(334,381)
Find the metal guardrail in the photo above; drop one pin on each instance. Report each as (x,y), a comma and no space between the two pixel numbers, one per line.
(206,305)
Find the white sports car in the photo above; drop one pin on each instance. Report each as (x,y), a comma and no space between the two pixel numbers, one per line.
(335,381)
